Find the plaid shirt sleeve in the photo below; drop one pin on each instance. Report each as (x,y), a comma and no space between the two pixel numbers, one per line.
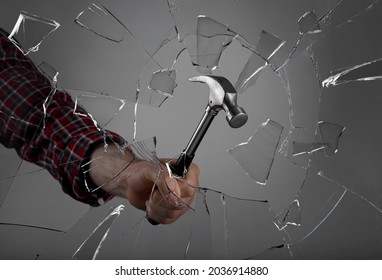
(66,142)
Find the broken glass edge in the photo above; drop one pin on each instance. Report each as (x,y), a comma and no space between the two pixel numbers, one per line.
(315,28)
(24,15)
(22,157)
(77,21)
(88,114)
(262,126)
(115,213)
(349,189)
(167,94)
(283,223)
(138,92)
(322,19)
(132,34)
(49,71)
(31,226)
(333,79)
(343,128)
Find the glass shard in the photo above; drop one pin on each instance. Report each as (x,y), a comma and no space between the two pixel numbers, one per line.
(163,82)
(212,38)
(250,73)
(96,19)
(308,148)
(369,71)
(49,71)
(308,23)
(256,156)
(157,81)
(186,14)
(330,134)
(30,30)
(266,47)
(92,245)
(289,216)
(299,146)
(102,108)
(148,21)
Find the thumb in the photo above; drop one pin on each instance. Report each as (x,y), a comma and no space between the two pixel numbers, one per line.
(173,190)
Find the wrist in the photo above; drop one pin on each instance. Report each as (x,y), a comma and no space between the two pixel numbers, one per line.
(106,168)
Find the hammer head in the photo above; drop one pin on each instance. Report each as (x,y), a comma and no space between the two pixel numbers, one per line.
(223,96)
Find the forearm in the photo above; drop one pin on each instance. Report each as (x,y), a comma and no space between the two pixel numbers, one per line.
(65,143)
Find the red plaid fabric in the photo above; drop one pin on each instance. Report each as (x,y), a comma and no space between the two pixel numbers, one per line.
(66,142)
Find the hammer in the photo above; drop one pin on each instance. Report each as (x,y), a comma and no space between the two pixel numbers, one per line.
(223,96)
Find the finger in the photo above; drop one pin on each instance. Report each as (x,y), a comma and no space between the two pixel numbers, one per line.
(158,200)
(192,175)
(160,213)
(169,188)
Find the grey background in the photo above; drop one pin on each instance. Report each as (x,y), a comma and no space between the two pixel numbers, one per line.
(86,61)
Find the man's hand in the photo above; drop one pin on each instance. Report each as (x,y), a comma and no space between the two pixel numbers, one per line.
(147,185)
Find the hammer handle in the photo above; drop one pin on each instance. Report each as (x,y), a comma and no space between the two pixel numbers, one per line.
(184,160)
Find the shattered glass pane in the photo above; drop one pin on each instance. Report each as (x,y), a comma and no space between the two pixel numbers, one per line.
(30,30)
(323,197)
(256,156)
(93,244)
(96,19)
